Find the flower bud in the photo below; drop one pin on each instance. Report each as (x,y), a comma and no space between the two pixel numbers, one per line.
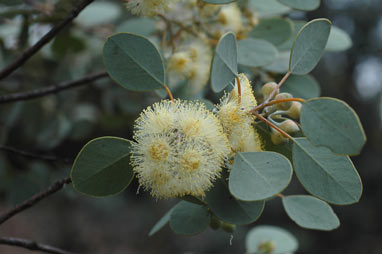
(267,89)
(228,227)
(289,126)
(283,105)
(215,223)
(277,138)
(266,247)
(294,110)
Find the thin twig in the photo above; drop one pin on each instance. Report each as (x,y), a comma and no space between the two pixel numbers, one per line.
(51,89)
(272,125)
(270,97)
(31,245)
(44,40)
(238,89)
(169,93)
(263,105)
(34,199)
(33,155)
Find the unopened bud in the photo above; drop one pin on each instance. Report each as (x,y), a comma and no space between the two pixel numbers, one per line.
(267,89)
(277,138)
(228,227)
(289,126)
(266,247)
(283,105)
(294,110)
(215,223)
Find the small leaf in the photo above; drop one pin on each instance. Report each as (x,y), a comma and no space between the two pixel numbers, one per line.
(141,26)
(309,46)
(268,8)
(219,1)
(99,13)
(231,210)
(189,219)
(305,5)
(283,241)
(310,212)
(133,62)
(162,222)
(259,175)
(224,64)
(255,53)
(338,40)
(326,175)
(273,30)
(301,86)
(332,123)
(102,167)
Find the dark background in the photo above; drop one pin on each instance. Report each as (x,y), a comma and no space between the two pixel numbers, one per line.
(120,224)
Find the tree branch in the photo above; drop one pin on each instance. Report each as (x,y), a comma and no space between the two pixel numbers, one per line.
(34,199)
(51,89)
(44,40)
(34,155)
(31,245)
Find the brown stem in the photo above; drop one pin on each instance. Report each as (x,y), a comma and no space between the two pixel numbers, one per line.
(270,97)
(33,155)
(279,195)
(169,93)
(31,245)
(272,125)
(34,199)
(44,40)
(51,89)
(263,105)
(238,89)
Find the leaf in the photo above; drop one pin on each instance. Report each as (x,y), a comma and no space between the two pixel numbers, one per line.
(332,123)
(162,222)
(310,212)
(141,26)
(224,64)
(255,53)
(267,8)
(283,241)
(281,64)
(133,62)
(301,86)
(259,175)
(338,40)
(287,45)
(99,13)
(219,1)
(231,210)
(309,45)
(305,5)
(274,30)
(189,219)
(326,175)
(102,167)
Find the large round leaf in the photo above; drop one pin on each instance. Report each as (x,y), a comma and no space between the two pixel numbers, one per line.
(301,86)
(259,175)
(306,5)
(309,46)
(326,175)
(189,218)
(287,45)
(338,40)
(224,64)
(133,62)
(255,53)
(310,212)
(273,30)
(231,210)
(102,167)
(283,241)
(281,64)
(332,123)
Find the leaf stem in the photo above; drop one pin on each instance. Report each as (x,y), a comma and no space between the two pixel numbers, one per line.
(272,125)
(169,93)
(263,105)
(270,97)
(238,88)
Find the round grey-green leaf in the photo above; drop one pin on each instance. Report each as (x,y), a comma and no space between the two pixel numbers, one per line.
(231,210)
(310,212)
(133,62)
(161,223)
(309,46)
(255,52)
(141,26)
(301,86)
(281,64)
(338,40)
(326,175)
(332,123)
(305,5)
(273,30)
(297,25)
(268,8)
(283,241)
(102,167)
(259,175)
(189,218)
(224,64)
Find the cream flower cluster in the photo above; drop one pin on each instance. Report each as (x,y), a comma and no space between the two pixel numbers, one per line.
(236,121)
(149,7)
(180,149)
